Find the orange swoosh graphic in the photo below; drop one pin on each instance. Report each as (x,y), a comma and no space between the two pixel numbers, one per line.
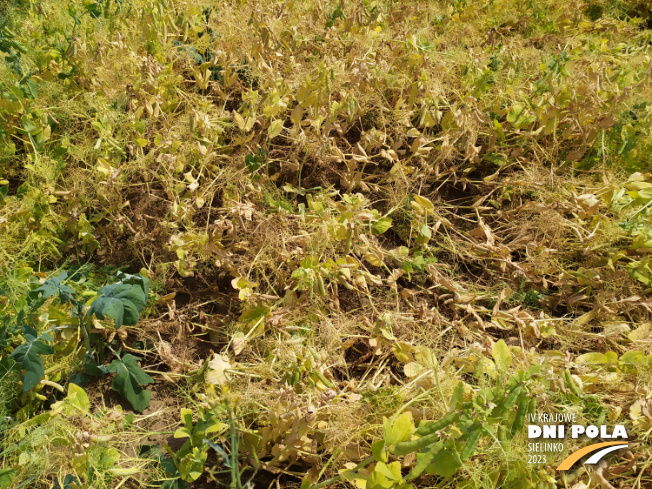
(575,456)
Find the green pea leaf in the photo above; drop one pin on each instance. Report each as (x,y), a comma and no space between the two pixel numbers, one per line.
(75,402)
(391,471)
(445,463)
(192,465)
(6,476)
(128,381)
(381,225)
(379,452)
(592,358)
(401,430)
(502,355)
(378,478)
(94,9)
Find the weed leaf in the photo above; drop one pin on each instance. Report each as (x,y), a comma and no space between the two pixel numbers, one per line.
(128,381)
(50,287)
(122,301)
(29,354)
(69,482)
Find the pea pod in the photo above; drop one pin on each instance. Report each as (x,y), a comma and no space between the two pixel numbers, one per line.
(519,420)
(294,380)
(471,443)
(118,471)
(509,401)
(429,428)
(424,461)
(570,383)
(323,379)
(603,415)
(321,288)
(532,406)
(19,46)
(502,433)
(315,355)
(566,376)
(406,447)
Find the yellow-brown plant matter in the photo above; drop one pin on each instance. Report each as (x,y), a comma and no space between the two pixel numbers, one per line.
(356,219)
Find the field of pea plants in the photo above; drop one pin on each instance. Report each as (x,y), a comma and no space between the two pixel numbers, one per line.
(324,244)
